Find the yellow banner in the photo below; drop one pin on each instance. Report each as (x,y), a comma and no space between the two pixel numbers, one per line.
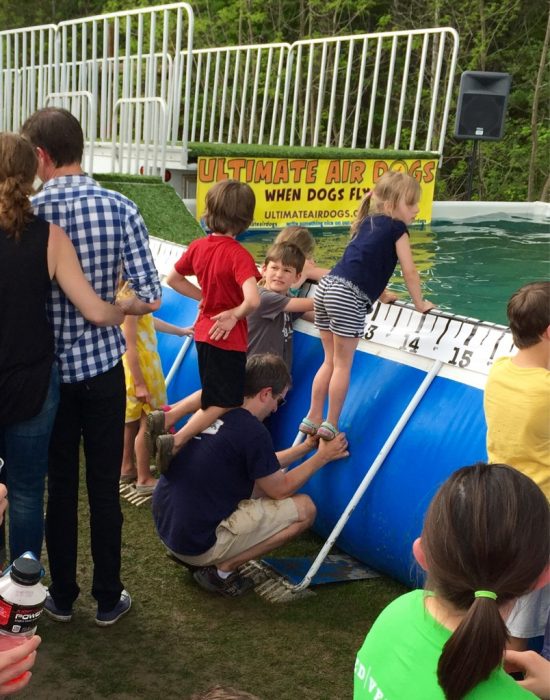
(310,192)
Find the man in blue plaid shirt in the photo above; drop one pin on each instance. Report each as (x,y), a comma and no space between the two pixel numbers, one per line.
(110,239)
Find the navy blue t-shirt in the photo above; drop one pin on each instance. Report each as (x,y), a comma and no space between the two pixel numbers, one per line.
(370,258)
(207,479)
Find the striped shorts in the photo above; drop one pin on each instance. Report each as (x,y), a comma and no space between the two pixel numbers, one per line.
(340,307)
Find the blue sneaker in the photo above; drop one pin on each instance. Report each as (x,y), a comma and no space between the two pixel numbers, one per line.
(104,619)
(51,610)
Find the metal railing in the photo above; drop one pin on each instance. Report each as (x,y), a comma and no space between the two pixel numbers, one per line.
(392,90)
(127,61)
(26,73)
(237,93)
(388,90)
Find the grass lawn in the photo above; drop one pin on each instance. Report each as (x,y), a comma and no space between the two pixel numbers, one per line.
(178,639)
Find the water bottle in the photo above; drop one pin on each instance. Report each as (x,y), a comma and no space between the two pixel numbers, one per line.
(22,599)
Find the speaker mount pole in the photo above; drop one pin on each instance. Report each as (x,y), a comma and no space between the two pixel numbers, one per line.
(471,167)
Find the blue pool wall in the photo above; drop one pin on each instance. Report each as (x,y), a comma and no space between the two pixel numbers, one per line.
(446,432)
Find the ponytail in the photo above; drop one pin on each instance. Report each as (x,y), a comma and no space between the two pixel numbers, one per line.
(392,188)
(362,214)
(15,206)
(488,527)
(473,651)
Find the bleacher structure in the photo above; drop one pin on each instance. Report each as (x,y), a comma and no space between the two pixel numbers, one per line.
(144,94)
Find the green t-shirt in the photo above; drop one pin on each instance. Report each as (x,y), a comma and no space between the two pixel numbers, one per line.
(399,657)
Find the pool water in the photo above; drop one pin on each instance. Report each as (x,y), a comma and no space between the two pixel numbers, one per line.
(468,268)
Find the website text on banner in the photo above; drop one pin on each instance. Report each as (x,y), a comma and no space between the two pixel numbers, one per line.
(311,192)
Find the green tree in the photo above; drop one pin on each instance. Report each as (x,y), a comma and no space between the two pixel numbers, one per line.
(495,35)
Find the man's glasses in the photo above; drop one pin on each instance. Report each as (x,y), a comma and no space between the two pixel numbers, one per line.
(281,401)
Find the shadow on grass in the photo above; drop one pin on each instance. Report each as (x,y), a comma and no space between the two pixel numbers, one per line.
(178,639)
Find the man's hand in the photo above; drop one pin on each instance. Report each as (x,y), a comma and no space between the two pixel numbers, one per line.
(536,669)
(310,443)
(132,306)
(334,449)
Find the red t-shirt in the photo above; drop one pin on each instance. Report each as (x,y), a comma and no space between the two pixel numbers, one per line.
(221,266)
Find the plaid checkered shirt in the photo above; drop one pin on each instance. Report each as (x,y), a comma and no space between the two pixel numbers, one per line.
(110,238)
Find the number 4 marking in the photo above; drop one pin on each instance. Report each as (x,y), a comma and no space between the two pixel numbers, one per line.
(411,346)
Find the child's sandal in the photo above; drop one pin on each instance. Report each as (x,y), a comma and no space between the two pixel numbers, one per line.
(327,431)
(308,427)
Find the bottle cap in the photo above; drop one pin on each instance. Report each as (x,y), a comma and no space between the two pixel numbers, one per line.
(26,571)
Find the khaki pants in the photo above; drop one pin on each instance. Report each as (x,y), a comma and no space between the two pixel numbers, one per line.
(254,521)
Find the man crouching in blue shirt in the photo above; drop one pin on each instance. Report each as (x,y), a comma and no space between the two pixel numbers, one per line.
(226,498)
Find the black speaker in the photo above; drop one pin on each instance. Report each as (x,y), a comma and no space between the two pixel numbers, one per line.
(481,106)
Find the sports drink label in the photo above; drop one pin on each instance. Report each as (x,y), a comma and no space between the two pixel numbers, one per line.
(16,618)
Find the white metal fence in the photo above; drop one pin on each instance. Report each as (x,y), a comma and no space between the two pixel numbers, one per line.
(117,73)
(237,93)
(384,90)
(26,73)
(389,90)
(128,78)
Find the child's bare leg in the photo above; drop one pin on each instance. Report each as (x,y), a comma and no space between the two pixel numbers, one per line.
(344,350)
(321,382)
(143,457)
(198,422)
(182,408)
(159,422)
(130,431)
(168,445)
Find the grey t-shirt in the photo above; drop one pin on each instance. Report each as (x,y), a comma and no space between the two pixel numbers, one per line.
(270,326)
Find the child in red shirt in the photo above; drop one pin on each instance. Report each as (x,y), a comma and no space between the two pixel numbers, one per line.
(228,293)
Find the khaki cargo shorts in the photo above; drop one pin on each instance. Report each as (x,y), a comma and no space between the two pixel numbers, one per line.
(255,520)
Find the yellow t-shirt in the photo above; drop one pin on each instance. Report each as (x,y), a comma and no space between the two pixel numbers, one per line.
(517,410)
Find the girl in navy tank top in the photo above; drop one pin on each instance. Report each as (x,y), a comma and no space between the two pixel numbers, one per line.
(379,239)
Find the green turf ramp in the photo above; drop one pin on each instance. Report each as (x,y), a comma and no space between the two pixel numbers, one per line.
(164,213)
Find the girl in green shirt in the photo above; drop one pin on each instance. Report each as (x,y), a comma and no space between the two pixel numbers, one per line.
(485,542)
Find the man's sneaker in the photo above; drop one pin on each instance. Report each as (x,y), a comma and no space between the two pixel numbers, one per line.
(165,447)
(104,619)
(51,610)
(154,426)
(230,587)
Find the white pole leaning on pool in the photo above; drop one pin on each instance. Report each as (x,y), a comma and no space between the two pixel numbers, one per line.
(369,476)
(179,359)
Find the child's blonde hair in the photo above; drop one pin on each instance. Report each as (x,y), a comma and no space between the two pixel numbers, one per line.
(392,188)
(229,207)
(299,236)
(18,164)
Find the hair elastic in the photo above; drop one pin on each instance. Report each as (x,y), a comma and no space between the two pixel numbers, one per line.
(485,594)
